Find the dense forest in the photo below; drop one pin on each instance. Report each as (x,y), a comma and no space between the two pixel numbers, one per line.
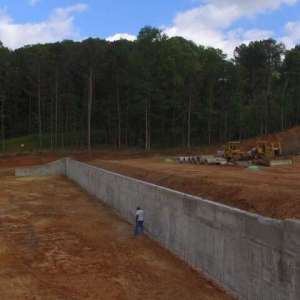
(154,92)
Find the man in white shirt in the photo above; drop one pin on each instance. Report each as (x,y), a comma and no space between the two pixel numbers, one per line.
(139,221)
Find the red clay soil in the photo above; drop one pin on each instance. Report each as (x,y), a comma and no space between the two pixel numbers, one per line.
(22,160)
(289,139)
(272,192)
(57,243)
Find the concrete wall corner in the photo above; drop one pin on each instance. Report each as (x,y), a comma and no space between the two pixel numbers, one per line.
(55,168)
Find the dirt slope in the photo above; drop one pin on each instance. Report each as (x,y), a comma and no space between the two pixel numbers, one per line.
(289,139)
(272,192)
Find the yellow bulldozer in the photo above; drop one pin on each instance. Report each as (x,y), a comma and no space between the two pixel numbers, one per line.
(232,151)
(268,150)
(263,153)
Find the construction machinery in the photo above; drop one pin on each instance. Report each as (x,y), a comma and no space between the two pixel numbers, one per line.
(268,150)
(264,150)
(265,153)
(232,151)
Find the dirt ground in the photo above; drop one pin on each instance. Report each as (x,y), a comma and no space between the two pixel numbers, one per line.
(272,192)
(57,243)
(289,140)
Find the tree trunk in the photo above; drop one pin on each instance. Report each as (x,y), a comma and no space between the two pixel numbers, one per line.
(173,126)
(118,111)
(267,107)
(90,102)
(240,123)
(147,125)
(51,117)
(29,116)
(225,136)
(62,127)
(210,111)
(283,102)
(127,126)
(189,120)
(2,124)
(67,136)
(56,109)
(40,109)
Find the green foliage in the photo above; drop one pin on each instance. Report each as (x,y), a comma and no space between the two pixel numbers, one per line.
(155,91)
(23,144)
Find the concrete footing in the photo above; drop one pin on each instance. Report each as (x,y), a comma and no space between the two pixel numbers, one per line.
(251,256)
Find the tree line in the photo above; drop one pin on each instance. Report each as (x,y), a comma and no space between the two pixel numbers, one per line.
(153,92)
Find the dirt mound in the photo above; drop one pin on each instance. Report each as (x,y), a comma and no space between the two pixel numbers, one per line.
(289,139)
(272,192)
(23,160)
(14,160)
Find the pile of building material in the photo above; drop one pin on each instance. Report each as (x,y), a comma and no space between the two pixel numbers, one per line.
(282,162)
(201,160)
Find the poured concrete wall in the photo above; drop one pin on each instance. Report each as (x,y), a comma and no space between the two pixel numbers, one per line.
(251,256)
(50,169)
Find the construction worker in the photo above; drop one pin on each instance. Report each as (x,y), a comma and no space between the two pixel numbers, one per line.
(139,221)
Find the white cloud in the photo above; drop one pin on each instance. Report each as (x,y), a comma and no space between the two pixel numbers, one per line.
(210,24)
(34,2)
(257,34)
(59,26)
(253,6)
(121,36)
(292,36)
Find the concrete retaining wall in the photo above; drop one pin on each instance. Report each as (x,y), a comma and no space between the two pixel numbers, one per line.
(51,169)
(251,256)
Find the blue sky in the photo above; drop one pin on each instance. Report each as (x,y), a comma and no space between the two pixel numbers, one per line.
(219,23)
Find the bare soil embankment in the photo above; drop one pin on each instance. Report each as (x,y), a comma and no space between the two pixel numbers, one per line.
(272,192)
(289,139)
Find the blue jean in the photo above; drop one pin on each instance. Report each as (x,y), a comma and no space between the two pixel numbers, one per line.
(139,228)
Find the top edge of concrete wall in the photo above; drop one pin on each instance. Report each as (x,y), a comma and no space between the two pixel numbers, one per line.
(54,168)
(261,218)
(57,168)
